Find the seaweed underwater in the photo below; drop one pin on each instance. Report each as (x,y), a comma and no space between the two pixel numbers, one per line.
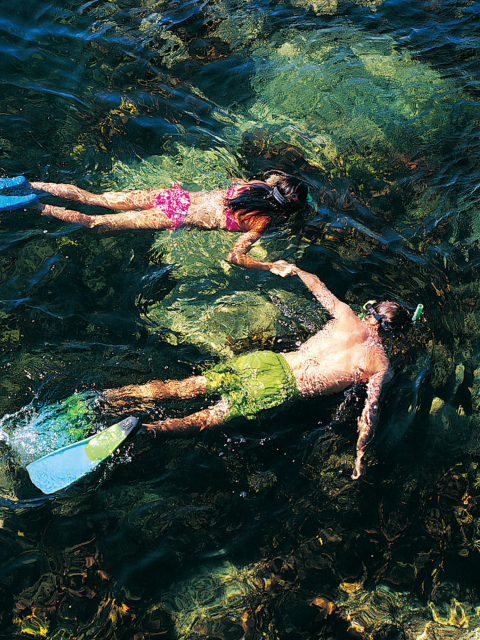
(255,530)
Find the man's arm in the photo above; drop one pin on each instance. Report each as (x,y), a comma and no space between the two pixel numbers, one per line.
(332,304)
(368,419)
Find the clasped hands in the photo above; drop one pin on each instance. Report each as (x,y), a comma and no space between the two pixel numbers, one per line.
(283,268)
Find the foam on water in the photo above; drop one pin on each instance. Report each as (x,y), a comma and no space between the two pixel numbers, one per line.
(36,430)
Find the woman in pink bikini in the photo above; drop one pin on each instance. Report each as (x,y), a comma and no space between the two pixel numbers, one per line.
(246,207)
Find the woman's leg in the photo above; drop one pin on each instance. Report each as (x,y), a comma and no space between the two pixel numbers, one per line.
(149,219)
(120,200)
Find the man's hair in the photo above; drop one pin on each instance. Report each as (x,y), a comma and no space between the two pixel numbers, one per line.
(395,318)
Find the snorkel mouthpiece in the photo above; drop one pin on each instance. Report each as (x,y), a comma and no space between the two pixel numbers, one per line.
(366,308)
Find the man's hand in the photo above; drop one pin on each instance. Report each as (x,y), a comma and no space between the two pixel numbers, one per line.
(283,268)
(359,466)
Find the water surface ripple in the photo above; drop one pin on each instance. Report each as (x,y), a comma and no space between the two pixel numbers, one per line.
(254,530)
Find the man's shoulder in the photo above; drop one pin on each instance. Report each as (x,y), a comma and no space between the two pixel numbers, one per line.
(380,361)
(347,321)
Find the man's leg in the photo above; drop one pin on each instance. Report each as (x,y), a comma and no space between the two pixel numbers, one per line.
(144,395)
(205,419)
(119,200)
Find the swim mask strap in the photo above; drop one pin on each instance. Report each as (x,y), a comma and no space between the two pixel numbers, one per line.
(278,196)
(368,306)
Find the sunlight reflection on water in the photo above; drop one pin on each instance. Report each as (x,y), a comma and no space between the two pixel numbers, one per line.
(255,529)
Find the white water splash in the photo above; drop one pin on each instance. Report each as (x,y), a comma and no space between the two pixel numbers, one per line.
(34,430)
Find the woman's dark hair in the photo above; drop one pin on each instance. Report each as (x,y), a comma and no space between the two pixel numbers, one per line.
(393,317)
(280,198)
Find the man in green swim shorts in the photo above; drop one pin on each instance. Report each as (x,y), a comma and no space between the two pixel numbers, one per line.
(347,350)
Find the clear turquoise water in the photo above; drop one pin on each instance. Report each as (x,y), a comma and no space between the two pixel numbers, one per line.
(253,530)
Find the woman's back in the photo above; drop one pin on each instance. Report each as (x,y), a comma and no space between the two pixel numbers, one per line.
(207,209)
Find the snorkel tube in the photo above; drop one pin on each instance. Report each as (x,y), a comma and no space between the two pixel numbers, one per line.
(417,313)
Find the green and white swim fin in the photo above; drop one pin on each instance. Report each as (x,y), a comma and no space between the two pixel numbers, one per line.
(62,468)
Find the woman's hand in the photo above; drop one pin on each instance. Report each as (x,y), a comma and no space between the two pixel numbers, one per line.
(283,268)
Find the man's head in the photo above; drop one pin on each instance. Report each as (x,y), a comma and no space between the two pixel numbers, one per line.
(390,316)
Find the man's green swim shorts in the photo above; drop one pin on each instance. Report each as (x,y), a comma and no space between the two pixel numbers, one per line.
(253,382)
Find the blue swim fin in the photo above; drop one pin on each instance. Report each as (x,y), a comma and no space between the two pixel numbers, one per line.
(9,203)
(11,183)
(65,466)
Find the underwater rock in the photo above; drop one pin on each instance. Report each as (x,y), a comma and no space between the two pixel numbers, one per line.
(449,429)
(452,614)
(368,613)
(241,28)
(365,124)
(169,47)
(442,363)
(474,634)
(215,602)
(375,614)
(320,7)
(447,609)
(221,308)
(428,203)
(474,447)
(422,629)
(219,327)
(325,607)
(330,7)
(195,169)
(9,472)
(459,377)
(475,392)
(260,481)
(157,622)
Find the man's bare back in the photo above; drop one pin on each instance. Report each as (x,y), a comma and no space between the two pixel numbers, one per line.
(347,350)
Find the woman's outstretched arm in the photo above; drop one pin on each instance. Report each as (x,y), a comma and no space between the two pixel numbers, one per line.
(238,254)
